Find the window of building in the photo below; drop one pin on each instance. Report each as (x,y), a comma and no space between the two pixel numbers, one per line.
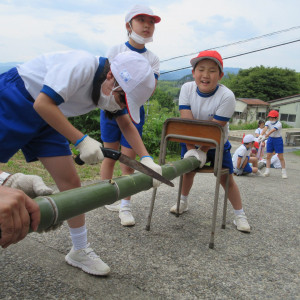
(287,117)
(292,118)
(261,115)
(283,117)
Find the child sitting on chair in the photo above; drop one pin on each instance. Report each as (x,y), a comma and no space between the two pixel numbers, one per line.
(206,99)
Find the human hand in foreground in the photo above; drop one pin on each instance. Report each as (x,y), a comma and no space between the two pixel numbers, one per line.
(148,161)
(17,212)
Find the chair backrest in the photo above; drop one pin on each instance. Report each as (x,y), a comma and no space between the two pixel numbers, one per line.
(192,131)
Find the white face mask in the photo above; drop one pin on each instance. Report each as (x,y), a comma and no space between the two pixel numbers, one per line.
(139,39)
(108,102)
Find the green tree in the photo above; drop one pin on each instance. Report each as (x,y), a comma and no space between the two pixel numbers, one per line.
(163,98)
(263,83)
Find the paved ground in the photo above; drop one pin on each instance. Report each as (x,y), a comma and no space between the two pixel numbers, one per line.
(173,260)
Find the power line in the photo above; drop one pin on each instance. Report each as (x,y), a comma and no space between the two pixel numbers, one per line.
(236,43)
(241,54)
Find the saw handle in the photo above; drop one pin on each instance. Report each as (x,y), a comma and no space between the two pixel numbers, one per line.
(107,152)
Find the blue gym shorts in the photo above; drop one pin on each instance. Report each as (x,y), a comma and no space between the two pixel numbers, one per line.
(247,168)
(227,160)
(22,127)
(110,131)
(275,144)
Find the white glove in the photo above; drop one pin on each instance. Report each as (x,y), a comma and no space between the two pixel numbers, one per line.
(32,185)
(148,161)
(90,151)
(261,138)
(238,172)
(199,154)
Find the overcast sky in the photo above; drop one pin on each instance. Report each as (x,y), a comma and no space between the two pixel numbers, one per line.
(31,27)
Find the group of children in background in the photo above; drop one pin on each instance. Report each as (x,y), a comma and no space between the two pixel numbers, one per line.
(249,156)
(202,99)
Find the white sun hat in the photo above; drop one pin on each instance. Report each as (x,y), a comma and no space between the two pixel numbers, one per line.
(141,10)
(135,76)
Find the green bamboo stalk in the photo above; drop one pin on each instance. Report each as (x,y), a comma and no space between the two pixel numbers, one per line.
(65,205)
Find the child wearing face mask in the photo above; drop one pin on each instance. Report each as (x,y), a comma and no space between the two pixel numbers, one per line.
(36,99)
(275,142)
(140,25)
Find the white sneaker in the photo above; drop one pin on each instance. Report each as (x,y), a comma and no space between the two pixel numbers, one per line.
(113,207)
(87,260)
(126,217)
(284,175)
(183,207)
(267,174)
(241,223)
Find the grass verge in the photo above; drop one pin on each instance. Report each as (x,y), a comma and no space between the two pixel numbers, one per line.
(17,164)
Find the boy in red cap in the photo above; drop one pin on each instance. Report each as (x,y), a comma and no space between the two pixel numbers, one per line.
(275,142)
(206,99)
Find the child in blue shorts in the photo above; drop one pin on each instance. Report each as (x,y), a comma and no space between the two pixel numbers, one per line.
(206,99)
(242,158)
(37,97)
(275,142)
(140,25)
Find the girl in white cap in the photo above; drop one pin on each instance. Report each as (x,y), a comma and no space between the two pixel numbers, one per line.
(140,24)
(36,99)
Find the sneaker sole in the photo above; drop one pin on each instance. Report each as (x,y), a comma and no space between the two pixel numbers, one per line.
(175,211)
(244,231)
(83,267)
(127,224)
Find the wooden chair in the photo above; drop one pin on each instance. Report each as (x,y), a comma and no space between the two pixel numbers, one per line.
(205,133)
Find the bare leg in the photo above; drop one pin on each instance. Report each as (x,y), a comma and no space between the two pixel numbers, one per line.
(62,170)
(282,161)
(187,183)
(234,195)
(107,165)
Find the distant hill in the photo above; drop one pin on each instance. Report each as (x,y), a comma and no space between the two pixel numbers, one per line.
(177,75)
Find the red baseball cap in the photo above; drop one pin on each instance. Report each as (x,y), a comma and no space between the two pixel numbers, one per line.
(208,54)
(273,114)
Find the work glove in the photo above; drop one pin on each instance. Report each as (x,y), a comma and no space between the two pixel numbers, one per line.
(261,138)
(90,151)
(238,172)
(199,154)
(148,161)
(32,185)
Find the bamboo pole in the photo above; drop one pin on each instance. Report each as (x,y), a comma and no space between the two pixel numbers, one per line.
(65,205)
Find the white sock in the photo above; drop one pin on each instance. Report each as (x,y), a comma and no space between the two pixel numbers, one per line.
(283,171)
(267,170)
(238,212)
(79,237)
(184,198)
(125,203)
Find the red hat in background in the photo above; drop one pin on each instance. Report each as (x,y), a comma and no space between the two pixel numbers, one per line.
(273,114)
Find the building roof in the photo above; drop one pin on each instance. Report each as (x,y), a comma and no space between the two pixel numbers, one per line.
(256,102)
(297,98)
